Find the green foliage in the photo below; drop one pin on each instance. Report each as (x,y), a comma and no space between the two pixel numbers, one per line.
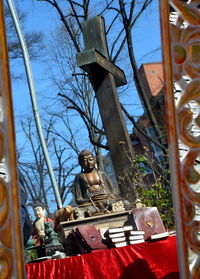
(30,255)
(159,196)
(140,158)
(131,180)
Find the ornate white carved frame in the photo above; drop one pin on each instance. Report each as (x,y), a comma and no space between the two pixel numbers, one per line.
(180,27)
(181,58)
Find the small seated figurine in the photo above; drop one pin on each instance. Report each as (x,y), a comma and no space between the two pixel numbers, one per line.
(38,233)
(51,237)
(93,190)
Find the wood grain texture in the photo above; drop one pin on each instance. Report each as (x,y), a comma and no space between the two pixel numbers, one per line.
(11,249)
(181,48)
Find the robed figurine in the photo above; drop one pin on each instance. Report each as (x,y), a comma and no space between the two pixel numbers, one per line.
(38,233)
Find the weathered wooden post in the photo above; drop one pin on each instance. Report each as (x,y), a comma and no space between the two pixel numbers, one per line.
(105,76)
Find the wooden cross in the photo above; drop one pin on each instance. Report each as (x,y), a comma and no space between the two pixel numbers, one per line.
(104,77)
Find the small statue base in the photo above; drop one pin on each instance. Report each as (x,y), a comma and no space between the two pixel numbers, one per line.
(97,209)
(40,250)
(50,250)
(89,214)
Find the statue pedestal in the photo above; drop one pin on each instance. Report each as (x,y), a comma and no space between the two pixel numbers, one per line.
(50,250)
(103,221)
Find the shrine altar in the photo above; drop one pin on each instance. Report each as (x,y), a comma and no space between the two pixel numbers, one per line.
(139,261)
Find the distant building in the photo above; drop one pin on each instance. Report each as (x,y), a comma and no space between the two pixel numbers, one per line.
(152,76)
(152,79)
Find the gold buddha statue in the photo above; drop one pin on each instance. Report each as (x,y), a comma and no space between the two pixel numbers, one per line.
(93,189)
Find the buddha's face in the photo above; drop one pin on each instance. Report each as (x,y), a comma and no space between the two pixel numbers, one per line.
(39,212)
(87,162)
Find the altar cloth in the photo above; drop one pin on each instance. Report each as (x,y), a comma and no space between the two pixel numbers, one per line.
(155,260)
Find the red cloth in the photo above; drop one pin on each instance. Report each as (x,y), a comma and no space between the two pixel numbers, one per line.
(138,261)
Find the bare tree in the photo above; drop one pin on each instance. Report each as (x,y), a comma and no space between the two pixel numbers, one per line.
(75,97)
(126,12)
(33,39)
(72,14)
(33,168)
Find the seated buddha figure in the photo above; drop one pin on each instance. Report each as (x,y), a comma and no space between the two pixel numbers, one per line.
(93,190)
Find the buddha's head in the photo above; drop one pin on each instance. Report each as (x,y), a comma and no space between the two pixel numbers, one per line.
(39,210)
(86,160)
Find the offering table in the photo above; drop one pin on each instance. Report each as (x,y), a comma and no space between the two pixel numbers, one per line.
(148,260)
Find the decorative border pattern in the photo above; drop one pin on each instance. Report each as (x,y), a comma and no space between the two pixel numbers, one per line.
(180,27)
(181,45)
(11,251)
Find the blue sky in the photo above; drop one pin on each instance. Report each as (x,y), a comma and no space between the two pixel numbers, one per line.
(42,17)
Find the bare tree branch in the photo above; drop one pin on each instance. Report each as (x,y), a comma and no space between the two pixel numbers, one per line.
(131,118)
